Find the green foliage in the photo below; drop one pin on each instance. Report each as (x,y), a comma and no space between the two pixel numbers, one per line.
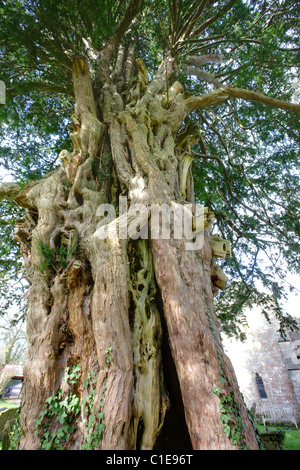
(230,412)
(93,416)
(57,419)
(232,305)
(230,416)
(16,432)
(55,259)
(93,409)
(108,355)
(72,374)
(56,422)
(290,435)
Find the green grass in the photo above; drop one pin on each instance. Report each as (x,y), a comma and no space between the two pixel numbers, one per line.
(292,435)
(8,403)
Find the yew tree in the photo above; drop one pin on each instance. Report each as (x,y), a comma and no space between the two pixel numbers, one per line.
(114,106)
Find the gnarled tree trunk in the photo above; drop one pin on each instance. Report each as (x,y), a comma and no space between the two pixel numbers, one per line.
(136,313)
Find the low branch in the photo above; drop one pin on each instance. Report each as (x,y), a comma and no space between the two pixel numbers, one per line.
(27,87)
(8,191)
(213,98)
(14,192)
(261,98)
(221,95)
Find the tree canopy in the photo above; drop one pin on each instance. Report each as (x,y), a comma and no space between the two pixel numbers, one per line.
(245,147)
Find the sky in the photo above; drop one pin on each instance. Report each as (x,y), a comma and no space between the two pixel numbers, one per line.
(293,303)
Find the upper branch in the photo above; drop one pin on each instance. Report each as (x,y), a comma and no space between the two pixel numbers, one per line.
(190,28)
(130,14)
(191,21)
(108,51)
(208,77)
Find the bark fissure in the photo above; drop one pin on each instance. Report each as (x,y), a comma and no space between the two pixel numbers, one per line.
(146,346)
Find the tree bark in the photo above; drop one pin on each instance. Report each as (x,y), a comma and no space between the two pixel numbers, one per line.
(98,302)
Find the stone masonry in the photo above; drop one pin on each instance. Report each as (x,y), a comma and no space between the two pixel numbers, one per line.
(268,369)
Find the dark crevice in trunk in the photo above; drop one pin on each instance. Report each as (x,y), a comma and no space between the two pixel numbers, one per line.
(140,432)
(174,434)
(79,198)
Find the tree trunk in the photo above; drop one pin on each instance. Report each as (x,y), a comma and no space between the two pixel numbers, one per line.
(135,312)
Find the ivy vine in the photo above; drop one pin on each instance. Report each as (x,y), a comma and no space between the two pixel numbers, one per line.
(230,412)
(56,421)
(16,432)
(93,419)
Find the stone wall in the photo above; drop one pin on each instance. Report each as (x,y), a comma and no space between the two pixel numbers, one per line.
(266,354)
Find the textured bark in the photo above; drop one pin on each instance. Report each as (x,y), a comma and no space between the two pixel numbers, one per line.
(112,292)
(185,284)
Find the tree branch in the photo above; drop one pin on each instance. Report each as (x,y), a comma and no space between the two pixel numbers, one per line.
(114,41)
(197,61)
(174,17)
(206,76)
(255,96)
(214,18)
(106,54)
(13,192)
(130,14)
(191,21)
(221,95)
(27,87)
(8,191)
(212,98)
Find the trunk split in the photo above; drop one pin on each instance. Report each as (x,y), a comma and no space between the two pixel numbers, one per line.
(135,313)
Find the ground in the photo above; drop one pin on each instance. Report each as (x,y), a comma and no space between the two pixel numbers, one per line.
(291,440)
(8,403)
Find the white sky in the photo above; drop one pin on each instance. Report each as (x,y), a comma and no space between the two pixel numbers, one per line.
(293,304)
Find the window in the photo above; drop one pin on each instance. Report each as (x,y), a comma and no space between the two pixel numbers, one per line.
(260,386)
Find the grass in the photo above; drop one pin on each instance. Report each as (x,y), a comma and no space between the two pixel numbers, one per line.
(292,435)
(8,403)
